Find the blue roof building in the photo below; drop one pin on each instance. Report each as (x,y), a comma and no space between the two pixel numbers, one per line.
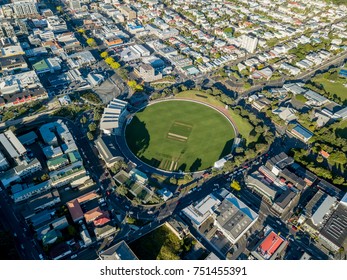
(343,73)
(302,133)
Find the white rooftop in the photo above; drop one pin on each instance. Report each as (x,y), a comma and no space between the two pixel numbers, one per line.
(200,212)
(318,216)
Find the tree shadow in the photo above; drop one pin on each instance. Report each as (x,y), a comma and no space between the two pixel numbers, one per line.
(182,167)
(225,90)
(341,132)
(196,165)
(154,162)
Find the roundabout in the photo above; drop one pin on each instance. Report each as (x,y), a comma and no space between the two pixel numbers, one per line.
(179,135)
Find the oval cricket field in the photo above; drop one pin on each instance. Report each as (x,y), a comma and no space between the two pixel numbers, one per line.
(179,135)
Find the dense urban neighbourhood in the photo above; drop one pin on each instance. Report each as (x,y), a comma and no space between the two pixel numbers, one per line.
(173,129)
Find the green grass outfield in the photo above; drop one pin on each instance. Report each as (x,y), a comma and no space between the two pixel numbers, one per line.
(179,135)
(333,87)
(242,124)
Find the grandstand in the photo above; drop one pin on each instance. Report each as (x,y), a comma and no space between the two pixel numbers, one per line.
(112,117)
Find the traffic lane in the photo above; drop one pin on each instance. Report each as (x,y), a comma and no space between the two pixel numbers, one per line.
(86,254)
(86,150)
(311,249)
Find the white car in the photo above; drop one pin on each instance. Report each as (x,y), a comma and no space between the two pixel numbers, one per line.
(73,256)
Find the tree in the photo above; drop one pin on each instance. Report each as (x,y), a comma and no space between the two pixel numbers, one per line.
(216,91)
(134,85)
(175,91)
(173,180)
(183,88)
(228,30)
(12,128)
(120,164)
(90,136)
(104,54)
(44,177)
(92,127)
(109,60)
(338,157)
(59,9)
(122,190)
(83,120)
(199,60)
(339,180)
(81,31)
(188,177)
(115,65)
(228,166)
(259,129)
(97,115)
(319,159)
(131,220)
(247,85)
(235,185)
(91,42)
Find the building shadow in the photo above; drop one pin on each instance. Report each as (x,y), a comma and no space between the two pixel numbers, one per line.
(137,136)
(227,148)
